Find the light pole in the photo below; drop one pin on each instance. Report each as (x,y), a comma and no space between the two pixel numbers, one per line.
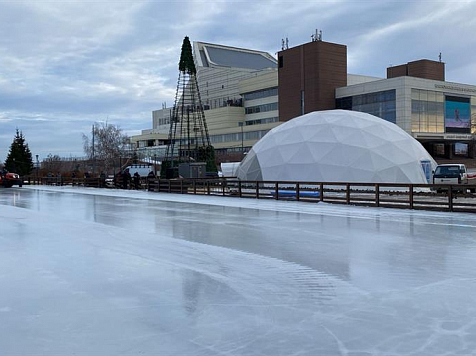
(242,138)
(94,157)
(37,166)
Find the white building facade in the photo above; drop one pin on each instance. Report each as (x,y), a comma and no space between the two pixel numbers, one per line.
(440,114)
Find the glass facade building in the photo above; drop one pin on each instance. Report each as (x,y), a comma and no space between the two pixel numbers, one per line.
(428,111)
(437,112)
(381,104)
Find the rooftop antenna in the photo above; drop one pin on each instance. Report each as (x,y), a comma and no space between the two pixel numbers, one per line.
(439,57)
(317,36)
(284,44)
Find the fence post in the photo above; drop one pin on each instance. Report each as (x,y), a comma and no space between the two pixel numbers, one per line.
(194,187)
(239,188)
(411,196)
(377,195)
(158,185)
(321,192)
(208,187)
(347,193)
(297,191)
(223,187)
(181,186)
(450,198)
(257,190)
(277,190)
(170,186)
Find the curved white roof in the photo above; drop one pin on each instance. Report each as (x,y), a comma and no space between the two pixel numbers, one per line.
(337,146)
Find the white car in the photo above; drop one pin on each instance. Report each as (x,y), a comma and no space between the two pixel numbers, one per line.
(455,174)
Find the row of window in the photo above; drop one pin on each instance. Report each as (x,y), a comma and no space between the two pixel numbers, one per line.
(259,94)
(381,104)
(268,120)
(236,137)
(238,149)
(220,103)
(261,108)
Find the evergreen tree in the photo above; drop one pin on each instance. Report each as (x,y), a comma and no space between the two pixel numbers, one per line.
(19,158)
(186,63)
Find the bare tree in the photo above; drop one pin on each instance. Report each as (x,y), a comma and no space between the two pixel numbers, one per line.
(107,143)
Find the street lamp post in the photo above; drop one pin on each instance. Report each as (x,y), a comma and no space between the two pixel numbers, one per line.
(242,139)
(37,166)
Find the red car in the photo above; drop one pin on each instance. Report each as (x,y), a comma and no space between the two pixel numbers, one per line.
(8,180)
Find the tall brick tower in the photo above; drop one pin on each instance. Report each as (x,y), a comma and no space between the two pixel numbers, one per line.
(308,76)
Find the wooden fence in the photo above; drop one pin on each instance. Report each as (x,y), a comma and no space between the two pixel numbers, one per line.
(389,195)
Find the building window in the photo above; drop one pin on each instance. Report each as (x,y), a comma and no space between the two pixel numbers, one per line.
(261,121)
(381,104)
(281,61)
(261,108)
(259,94)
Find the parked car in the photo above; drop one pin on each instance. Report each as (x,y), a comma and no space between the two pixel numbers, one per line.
(455,174)
(8,179)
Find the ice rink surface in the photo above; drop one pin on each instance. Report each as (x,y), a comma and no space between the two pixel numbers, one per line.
(110,272)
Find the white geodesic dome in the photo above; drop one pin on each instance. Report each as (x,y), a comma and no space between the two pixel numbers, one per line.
(337,146)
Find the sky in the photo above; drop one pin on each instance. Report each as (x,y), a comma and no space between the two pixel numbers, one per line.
(67,64)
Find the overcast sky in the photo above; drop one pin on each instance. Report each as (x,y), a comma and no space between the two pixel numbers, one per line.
(67,64)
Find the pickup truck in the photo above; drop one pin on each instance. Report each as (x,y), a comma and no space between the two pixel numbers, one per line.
(455,174)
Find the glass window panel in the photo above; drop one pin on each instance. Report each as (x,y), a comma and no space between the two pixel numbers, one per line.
(432,109)
(423,95)
(415,106)
(415,94)
(431,96)
(415,122)
(390,95)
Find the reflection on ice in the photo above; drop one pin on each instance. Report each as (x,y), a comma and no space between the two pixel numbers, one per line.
(166,275)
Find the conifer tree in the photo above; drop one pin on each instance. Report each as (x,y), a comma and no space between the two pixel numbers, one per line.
(19,158)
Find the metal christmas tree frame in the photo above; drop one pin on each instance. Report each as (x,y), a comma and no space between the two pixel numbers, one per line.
(189,141)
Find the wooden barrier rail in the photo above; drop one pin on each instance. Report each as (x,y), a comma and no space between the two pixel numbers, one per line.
(60,181)
(391,195)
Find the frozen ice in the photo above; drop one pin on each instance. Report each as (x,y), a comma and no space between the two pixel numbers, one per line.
(109,272)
